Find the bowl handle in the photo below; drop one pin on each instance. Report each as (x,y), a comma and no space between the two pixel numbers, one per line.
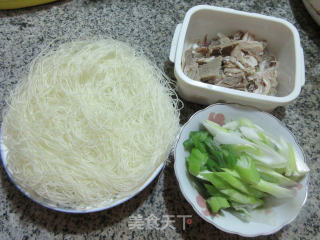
(303,75)
(175,42)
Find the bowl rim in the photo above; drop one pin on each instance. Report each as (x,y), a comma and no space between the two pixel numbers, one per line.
(307,177)
(4,151)
(240,94)
(312,10)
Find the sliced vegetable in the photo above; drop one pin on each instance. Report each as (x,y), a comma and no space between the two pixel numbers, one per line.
(250,133)
(238,164)
(217,203)
(223,135)
(238,197)
(212,165)
(273,189)
(247,169)
(272,176)
(198,140)
(296,167)
(244,122)
(247,149)
(196,161)
(214,152)
(234,182)
(248,189)
(232,172)
(232,125)
(269,157)
(242,209)
(212,191)
(188,144)
(215,180)
(230,156)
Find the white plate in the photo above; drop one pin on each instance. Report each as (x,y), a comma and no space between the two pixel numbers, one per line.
(265,221)
(51,205)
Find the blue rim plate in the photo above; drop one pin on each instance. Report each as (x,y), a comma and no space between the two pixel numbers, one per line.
(51,205)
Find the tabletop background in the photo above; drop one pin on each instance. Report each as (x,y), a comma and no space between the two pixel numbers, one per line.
(148,25)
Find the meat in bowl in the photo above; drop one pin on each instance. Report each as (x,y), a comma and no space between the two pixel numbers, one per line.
(237,61)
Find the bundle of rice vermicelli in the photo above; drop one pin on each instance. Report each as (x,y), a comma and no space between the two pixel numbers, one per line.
(89,124)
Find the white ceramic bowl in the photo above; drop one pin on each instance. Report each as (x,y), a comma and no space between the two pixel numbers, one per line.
(283,41)
(275,214)
(313,7)
(51,205)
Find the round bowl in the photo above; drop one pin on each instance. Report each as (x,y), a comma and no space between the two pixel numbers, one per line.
(275,214)
(51,205)
(313,7)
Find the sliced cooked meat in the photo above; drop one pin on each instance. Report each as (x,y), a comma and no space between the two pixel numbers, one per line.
(232,71)
(223,38)
(238,35)
(188,58)
(249,61)
(211,70)
(253,48)
(232,81)
(192,71)
(248,37)
(190,66)
(203,60)
(237,61)
(222,51)
(204,51)
(230,45)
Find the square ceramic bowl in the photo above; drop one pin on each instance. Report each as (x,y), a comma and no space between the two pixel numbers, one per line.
(283,41)
(276,213)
